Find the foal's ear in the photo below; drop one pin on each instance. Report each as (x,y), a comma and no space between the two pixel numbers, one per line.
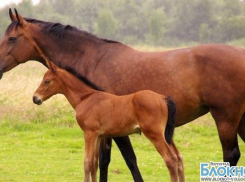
(20,19)
(52,66)
(11,15)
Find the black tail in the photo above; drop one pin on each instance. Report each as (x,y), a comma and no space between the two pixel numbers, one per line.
(169,131)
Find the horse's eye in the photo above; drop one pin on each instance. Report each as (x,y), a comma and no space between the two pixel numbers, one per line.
(12,39)
(47,82)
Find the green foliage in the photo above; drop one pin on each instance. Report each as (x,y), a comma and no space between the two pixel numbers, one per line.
(229,29)
(232,8)
(189,18)
(204,33)
(156,27)
(106,24)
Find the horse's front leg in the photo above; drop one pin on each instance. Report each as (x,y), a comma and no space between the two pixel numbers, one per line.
(90,150)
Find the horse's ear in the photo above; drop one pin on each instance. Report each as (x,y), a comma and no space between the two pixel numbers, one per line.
(20,19)
(51,66)
(11,15)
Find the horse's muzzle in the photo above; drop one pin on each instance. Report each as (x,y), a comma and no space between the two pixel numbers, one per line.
(37,101)
(1,74)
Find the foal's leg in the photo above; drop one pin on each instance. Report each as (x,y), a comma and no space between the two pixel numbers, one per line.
(104,158)
(227,126)
(90,144)
(168,155)
(180,162)
(128,154)
(95,161)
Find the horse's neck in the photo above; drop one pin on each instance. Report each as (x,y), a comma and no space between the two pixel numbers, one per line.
(91,61)
(80,54)
(75,90)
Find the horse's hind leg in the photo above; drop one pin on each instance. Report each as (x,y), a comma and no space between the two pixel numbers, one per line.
(168,155)
(128,154)
(180,162)
(227,128)
(241,128)
(104,158)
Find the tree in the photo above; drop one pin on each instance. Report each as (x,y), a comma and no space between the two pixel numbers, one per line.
(189,18)
(156,29)
(204,33)
(232,8)
(106,24)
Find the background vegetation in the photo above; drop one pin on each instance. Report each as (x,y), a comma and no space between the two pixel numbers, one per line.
(151,22)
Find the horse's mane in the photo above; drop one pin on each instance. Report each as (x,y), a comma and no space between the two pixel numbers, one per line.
(58,29)
(13,25)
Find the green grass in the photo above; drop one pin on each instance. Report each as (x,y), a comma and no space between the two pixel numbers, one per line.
(49,151)
(44,143)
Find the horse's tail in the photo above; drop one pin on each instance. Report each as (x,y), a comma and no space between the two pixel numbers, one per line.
(169,130)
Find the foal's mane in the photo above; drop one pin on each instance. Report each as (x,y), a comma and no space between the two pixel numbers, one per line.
(83,79)
(75,80)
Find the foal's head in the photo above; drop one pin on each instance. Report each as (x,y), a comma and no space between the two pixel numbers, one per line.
(50,85)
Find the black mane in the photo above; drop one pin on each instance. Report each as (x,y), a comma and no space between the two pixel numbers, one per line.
(83,79)
(13,25)
(57,29)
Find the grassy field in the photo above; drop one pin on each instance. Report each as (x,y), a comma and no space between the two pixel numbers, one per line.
(44,143)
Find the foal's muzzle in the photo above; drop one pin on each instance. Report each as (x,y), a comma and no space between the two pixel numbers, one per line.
(36,100)
(1,74)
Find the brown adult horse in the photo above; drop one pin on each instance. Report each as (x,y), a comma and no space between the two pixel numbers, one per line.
(200,79)
(100,114)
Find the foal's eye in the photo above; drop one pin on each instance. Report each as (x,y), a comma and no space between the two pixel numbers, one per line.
(47,82)
(12,39)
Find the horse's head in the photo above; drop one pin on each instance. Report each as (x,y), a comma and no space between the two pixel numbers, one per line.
(17,46)
(49,86)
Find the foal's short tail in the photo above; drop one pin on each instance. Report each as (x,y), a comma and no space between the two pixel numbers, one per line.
(169,131)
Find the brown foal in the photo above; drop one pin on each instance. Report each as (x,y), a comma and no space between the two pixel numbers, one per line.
(101,114)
